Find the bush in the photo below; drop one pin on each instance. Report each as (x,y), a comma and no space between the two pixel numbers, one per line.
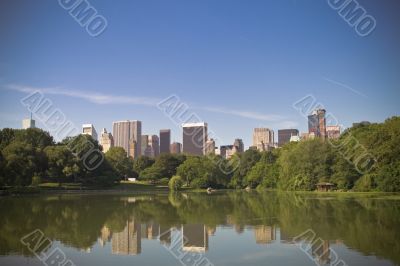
(163,181)
(175,183)
(36,180)
(199,183)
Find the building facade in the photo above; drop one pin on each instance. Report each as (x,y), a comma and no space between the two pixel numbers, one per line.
(176,148)
(210,146)
(239,145)
(88,129)
(144,140)
(227,151)
(165,140)
(333,132)
(284,135)
(317,123)
(263,139)
(126,131)
(28,123)
(106,140)
(154,144)
(194,138)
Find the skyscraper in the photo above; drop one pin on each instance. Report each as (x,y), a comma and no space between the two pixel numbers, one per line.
(239,145)
(317,123)
(264,234)
(227,151)
(210,146)
(88,129)
(124,131)
(176,148)
(154,143)
(263,138)
(284,135)
(144,143)
(127,242)
(28,123)
(333,132)
(106,140)
(194,138)
(165,140)
(195,238)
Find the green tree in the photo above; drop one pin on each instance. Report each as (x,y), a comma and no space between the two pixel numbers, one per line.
(246,161)
(7,135)
(141,163)
(35,136)
(61,163)
(22,162)
(175,183)
(122,165)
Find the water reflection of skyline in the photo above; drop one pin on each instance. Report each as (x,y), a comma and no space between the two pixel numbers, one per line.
(194,238)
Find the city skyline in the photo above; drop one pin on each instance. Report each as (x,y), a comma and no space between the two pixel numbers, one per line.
(139,144)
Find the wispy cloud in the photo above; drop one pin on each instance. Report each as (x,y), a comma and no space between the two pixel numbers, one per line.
(245,114)
(90,96)
(100,98)
(345,86)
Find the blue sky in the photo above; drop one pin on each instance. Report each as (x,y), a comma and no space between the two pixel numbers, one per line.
(236,64)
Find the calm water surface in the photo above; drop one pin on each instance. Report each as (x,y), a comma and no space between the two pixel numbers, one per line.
(230,228)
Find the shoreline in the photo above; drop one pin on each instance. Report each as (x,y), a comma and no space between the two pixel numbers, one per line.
(15,192)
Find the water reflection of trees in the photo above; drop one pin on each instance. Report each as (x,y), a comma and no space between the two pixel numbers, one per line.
(366,224)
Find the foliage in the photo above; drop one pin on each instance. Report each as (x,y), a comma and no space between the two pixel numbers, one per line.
(165,166)
(141,163)
(175,183)
(246,161)
(121,164)
(202,171)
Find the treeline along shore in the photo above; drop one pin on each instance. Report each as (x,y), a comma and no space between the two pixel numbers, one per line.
(364,158)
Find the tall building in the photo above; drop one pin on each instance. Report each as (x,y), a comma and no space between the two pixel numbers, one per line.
(195,238)
(333,132)
(239,144)
(176,148)
(105,236)
(194,138)
(317,123)
(106,140)
(133,149)
(165,140)
(165,235)
(210,146)
(154,143)
(227,151)
(284,135)
(124,132)
(144,143)
(28,123)
(88,129)
(263,138)
(127,242)
(264,234)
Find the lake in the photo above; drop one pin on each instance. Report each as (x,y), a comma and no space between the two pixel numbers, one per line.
(223,228)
